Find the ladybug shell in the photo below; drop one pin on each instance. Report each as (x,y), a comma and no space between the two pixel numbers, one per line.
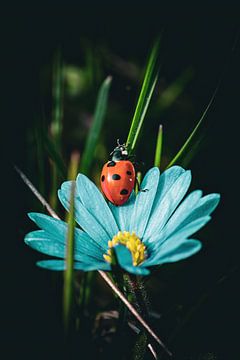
(117,181)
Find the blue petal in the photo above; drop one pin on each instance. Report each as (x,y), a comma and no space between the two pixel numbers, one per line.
(86,245)
(179,215)
(123,213)
(144,202)
(39,241)
(206,206)
(56,231)
(60,265)
(93,266)
(167,203)
(166,181)
(43,242)
(93,200)
(66,189)
(87,222)
(174,251)
(181,234)
(67,186)
(57,228)
(124,258)
(56,265)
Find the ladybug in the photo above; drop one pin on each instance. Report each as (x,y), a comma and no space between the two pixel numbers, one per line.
(118,176)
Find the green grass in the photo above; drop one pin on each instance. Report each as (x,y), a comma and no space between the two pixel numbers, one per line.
(98,122)
(158,151)
(191,145)
(68,287)
(149,83)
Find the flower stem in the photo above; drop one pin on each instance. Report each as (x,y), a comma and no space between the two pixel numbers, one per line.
(120,337)
(139,294)
(139,297)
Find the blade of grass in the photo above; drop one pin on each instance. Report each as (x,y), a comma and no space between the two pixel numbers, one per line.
(101,273)
(68,279)
(57,96)
(38,135)
(174,90)
(138,182)
(55,156)
(56,124)
(86,162)
(158,151)
(97,125)
(194,136)
(149,83)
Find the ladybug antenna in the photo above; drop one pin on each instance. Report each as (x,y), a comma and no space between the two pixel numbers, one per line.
(119,145)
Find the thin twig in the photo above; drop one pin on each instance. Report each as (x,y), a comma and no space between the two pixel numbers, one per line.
(153,351)
(36,193)
(101,273)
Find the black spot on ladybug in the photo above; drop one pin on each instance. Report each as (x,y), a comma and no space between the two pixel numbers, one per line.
(103,178)
(116,177)
(129,173)
(111,163)
(124,192)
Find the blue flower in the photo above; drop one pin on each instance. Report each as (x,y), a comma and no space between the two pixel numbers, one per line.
(152,228)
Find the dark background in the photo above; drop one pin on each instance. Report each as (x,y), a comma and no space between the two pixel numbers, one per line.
(30,321)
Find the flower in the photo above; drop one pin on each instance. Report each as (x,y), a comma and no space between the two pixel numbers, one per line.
(151,229)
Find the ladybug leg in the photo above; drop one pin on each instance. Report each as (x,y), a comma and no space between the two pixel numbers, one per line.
(143,190)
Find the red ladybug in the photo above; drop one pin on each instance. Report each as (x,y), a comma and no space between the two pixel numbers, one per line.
(118,176)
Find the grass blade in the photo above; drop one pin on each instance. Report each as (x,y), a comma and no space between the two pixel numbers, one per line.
(158,151)
(95,130)
(57,96)
(55,156)
(38,137)
(68,284)
(138,181)
(56,123)
(174,90)
(149,83)
(194,139)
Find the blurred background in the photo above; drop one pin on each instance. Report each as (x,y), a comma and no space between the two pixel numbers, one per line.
(197,300)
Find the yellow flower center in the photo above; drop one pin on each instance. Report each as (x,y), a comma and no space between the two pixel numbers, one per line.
(132,243)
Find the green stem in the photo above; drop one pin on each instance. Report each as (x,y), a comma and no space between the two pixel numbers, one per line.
(158,151)
(69,272)
(68,279)
(139,297)
(138,291)
(120,340)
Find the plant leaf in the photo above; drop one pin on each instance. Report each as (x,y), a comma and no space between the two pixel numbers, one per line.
(57,96)
(95,130)
(69,272)
(149,83)
(56,122)
(158,151)
(192,143)
(174,90)
(54,154)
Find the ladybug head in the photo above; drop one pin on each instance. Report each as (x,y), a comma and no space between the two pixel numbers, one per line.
(119,153)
